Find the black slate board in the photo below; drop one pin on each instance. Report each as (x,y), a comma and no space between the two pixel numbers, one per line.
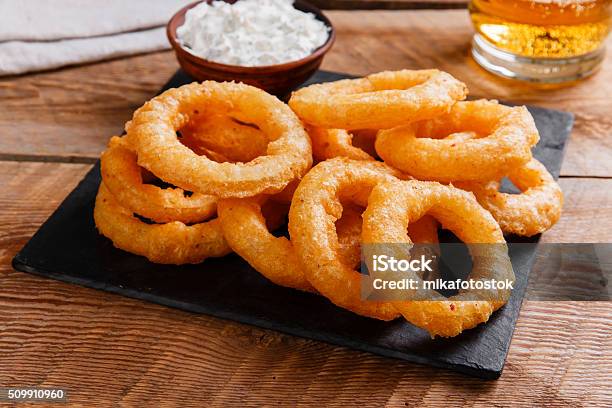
(67,247)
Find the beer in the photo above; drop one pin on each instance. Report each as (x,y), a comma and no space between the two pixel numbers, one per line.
(540,33)
(553,28)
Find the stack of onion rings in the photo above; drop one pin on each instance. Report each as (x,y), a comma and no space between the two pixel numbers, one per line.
(170,243)
(231,159)
(196,131)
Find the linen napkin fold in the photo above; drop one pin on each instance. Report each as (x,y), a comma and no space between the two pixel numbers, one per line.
(45,34)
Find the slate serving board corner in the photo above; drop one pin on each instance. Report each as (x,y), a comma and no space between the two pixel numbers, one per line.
(67,247)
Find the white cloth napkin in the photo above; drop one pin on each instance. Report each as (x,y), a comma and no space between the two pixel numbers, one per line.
(44,34)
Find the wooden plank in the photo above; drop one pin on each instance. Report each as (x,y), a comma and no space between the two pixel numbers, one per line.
(388,4)
(587,204)
(110,350)
(70,114)
(29,192)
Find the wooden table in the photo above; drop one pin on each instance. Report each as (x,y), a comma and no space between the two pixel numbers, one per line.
(107,349)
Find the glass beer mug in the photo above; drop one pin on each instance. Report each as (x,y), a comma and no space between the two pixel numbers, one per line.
(546,41)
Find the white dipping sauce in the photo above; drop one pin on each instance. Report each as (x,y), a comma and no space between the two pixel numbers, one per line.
(251,32)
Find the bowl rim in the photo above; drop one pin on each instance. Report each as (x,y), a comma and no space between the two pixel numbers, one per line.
(173,24)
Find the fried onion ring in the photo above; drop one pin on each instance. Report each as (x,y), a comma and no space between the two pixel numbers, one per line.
(393,205)
(171,243)
(504,139)
(152,132)
(123,177)
(330,143)
(244,227)
(316,206)
(533,211)
(378,101)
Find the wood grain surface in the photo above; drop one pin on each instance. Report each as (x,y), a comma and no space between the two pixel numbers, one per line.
(112,351)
